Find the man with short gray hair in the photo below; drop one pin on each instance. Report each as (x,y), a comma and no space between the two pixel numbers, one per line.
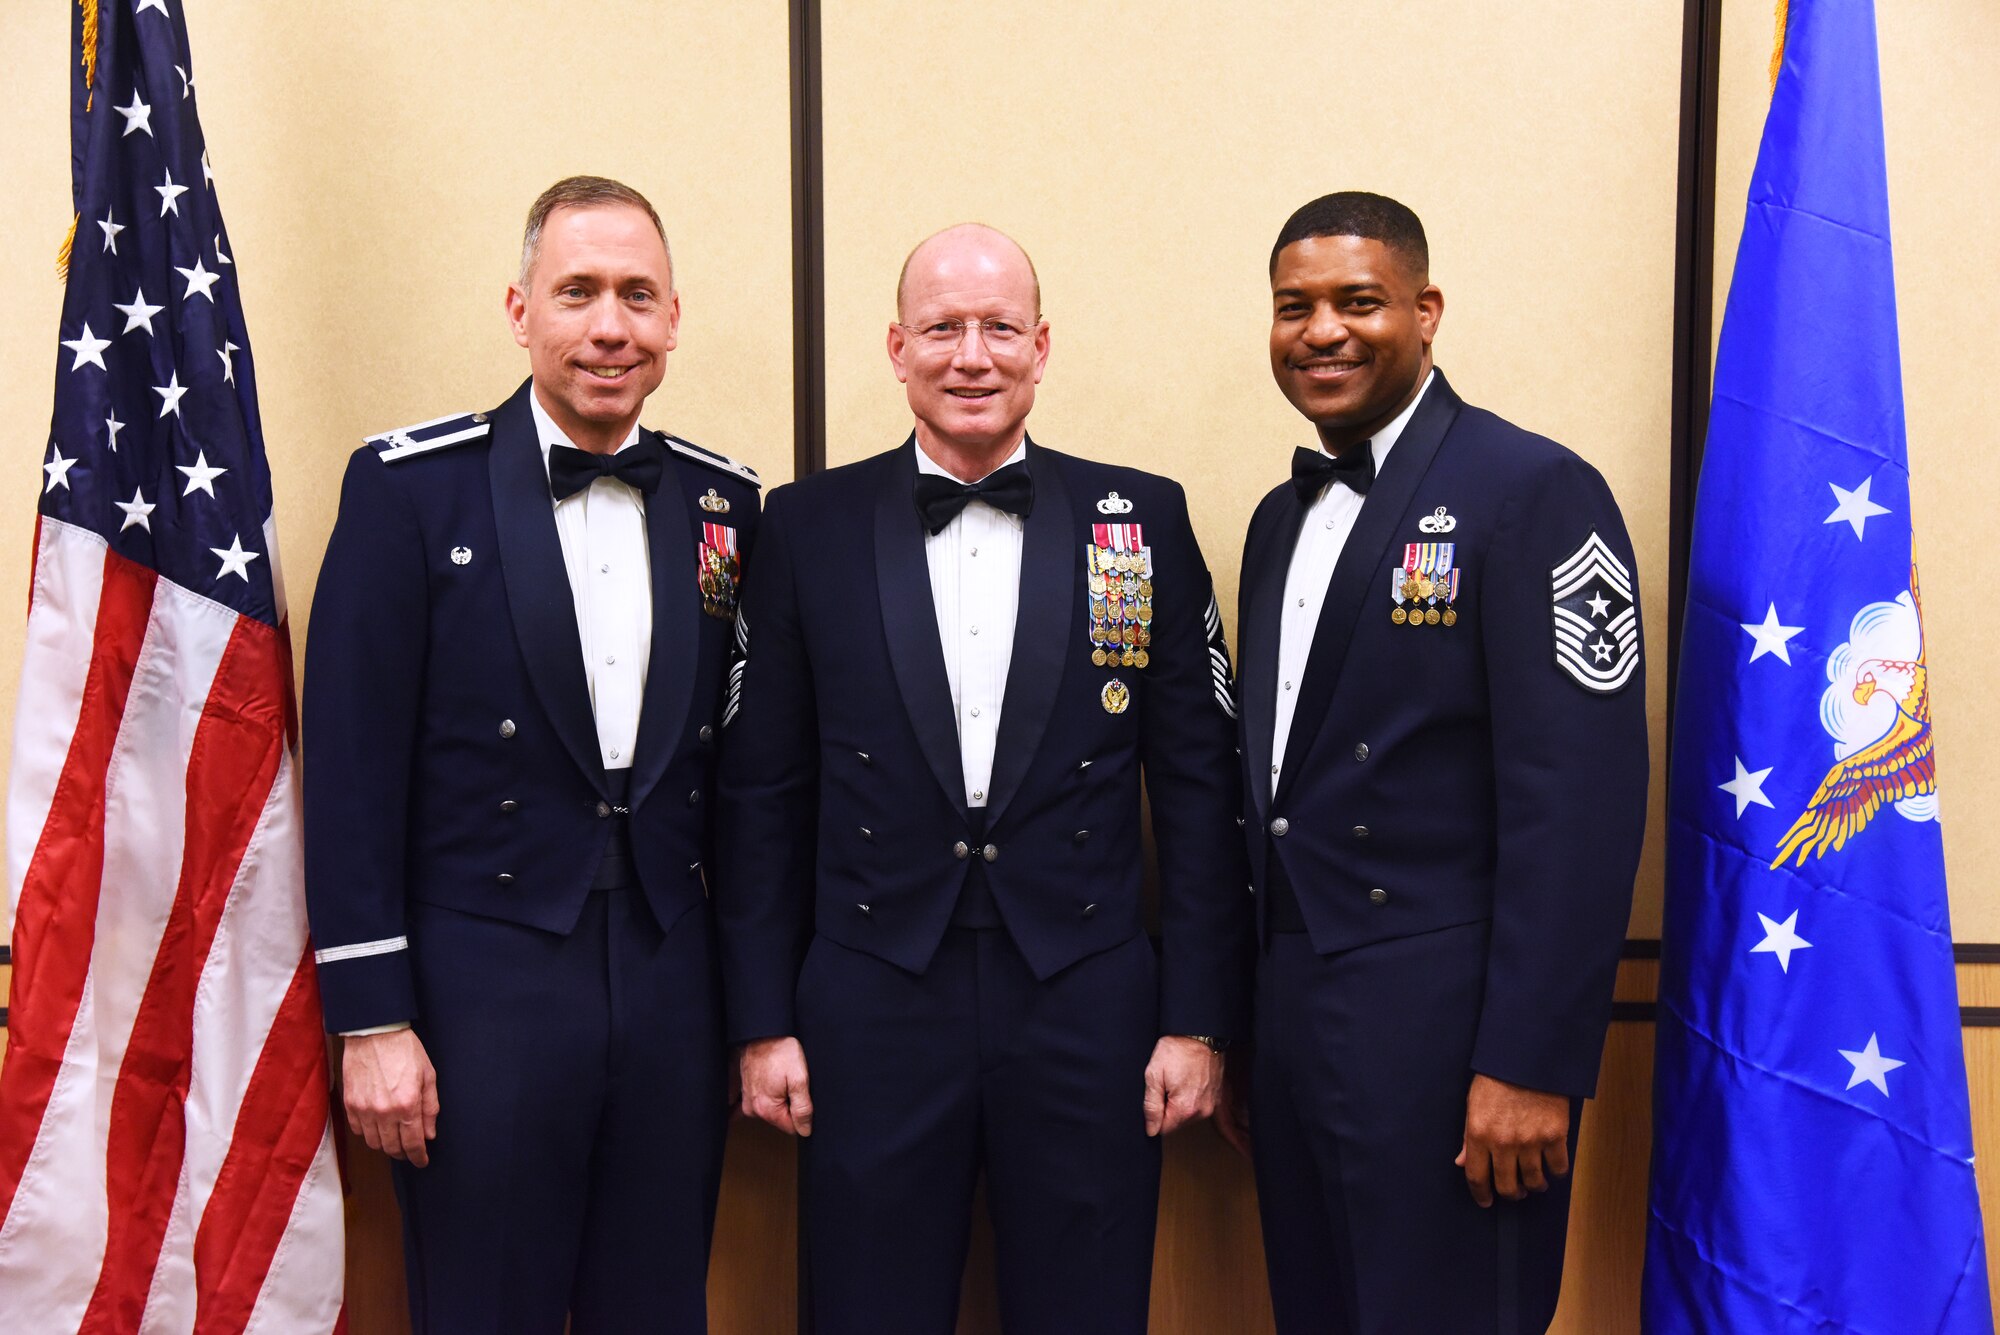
(513,685)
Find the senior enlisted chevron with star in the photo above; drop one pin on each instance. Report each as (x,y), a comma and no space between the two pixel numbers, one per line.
(514,684)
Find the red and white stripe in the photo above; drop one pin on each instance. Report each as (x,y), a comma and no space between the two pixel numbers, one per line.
(166,1152)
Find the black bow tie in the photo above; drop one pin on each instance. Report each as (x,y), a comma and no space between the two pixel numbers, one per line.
(571,470)
(1312,470)
(940,499)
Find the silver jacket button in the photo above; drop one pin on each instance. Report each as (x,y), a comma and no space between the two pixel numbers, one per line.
(961,850)
(1361,751)
(1280,827)
(1378,896)
(990,852)
(506,727)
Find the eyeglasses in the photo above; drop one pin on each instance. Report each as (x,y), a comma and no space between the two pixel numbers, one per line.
(1002,333)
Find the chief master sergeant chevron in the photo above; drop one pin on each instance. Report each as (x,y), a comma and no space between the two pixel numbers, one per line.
(513,685)
(1444,734)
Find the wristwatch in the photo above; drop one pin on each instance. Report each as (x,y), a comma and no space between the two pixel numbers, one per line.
(1213,1044)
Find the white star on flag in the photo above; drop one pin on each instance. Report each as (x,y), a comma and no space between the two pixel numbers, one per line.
(235,561)
(1771,637)
(207,172)
(145,5)
(57,468)
(1854,506)
(200,476)
(170,195)
(170,394)
(187,84)
(1870,1065)
(113,426)
(138,116)
(139,314)
(1747,787)
(89,351)
(228,365)
(221,258)
(137,511)
(111,230)
(1781,940)
(198,280)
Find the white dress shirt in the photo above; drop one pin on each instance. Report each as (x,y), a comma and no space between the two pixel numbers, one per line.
(975,563)
(603,532)
(1324,533)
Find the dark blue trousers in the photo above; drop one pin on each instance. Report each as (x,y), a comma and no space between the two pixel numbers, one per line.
(921,1083)
(1357,1109)
(579,1137)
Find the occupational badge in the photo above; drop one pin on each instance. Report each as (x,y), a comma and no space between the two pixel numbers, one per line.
(717,570)
(714,504)
(461,556)
(1596,618)
(1116,696)
(1437,521)
(1118,570)
(1114,504)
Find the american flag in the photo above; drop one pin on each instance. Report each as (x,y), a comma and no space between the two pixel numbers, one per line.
(166,1151)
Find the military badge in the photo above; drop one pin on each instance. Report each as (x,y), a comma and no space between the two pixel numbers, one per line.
(1118,570)
(461,556)
(714,504)
(1437,521)
(717,569)
(1114,504)
(1424,587)
(1116,696)
(1596,617)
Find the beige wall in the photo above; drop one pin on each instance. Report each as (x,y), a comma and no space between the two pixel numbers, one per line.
(375,158)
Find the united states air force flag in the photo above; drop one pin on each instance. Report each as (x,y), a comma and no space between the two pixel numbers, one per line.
(1812,1166)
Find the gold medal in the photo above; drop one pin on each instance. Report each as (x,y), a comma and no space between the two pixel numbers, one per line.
(1130,633)
(1096,582)
(1145,636)
(1431,618)
(1399,616)
(1416,617)
(1098,657)
(1116,697)
(1410,588)
(1425,588)
(1451,616)
(1141,658)
(1145,588)
(1127,658)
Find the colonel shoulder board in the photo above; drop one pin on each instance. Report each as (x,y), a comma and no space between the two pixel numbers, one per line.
(708,458)
(407,442)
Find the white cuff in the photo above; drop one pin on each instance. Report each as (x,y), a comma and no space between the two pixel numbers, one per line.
(361,949)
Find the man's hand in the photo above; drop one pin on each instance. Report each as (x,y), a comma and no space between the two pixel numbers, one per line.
(1232,1110)
(1510,1134)
(774,1085)
(1183,1082)
(390,1090)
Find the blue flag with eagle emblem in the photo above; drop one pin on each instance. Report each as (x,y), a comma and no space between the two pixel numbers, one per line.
(1812,1151)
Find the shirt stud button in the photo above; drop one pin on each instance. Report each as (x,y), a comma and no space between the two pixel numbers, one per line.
(979,795)
(614,754)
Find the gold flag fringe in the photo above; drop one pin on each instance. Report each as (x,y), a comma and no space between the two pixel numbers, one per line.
(89,58)
(1778,46)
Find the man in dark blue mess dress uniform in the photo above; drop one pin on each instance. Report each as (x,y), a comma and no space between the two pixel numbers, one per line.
(514,682)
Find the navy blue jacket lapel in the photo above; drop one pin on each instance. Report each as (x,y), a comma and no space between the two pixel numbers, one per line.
(1354,574)
(538,591)
(1265,566)
(909,620)
(1049,560)
(677,614)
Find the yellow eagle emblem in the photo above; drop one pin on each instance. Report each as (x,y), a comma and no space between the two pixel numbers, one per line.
(1897,765)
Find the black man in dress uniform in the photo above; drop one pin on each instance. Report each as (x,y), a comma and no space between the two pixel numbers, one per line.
(963,655)
(514,682)
(1444,739)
